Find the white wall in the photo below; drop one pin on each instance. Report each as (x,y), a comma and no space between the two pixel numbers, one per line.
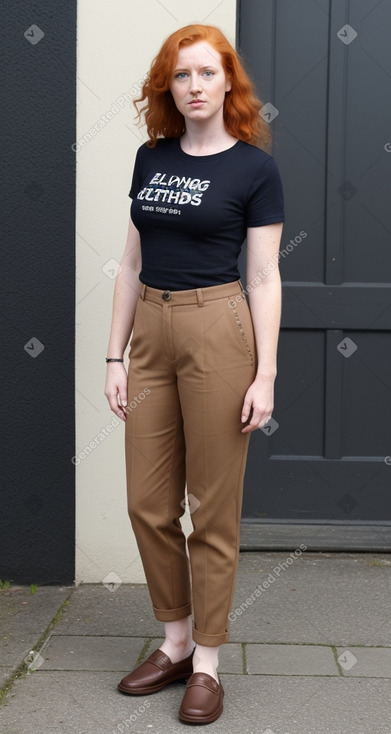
(117,40)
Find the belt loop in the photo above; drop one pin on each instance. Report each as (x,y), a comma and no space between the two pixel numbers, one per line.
(142,292)
(199,297)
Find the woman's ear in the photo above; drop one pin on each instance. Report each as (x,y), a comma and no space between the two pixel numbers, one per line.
(228,85)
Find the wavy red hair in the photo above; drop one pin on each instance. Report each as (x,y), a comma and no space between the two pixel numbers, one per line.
(241,106)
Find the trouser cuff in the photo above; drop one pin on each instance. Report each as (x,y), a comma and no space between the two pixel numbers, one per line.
(201,638)
(172,615)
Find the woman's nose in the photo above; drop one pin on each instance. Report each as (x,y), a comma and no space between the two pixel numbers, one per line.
(195,84)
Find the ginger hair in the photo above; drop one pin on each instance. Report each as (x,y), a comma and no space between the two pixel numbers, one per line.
(241,105)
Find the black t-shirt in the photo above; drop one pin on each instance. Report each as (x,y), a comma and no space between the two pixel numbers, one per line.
(192,212)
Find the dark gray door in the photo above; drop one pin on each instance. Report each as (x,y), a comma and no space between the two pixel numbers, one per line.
(37,223)
(326,69)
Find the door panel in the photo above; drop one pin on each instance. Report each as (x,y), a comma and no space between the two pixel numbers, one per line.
(325,457)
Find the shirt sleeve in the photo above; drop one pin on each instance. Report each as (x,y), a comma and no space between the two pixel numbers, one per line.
(265,202)
(137,176)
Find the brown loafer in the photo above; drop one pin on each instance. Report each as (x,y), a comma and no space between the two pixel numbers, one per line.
(203,700)
(155,673)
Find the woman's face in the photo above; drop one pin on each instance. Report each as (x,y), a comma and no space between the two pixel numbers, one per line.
(199,83)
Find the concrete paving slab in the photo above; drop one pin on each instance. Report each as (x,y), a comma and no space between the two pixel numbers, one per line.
(24,617)
(231,659)
(88,703)
(93,609)
(332,599)
(73,652)
(327,592)
(370,662)
(290,660)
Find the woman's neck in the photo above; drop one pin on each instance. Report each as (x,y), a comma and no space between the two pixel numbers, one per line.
(206,139)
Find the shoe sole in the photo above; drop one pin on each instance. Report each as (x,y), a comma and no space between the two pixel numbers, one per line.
(201,719)
(151,689)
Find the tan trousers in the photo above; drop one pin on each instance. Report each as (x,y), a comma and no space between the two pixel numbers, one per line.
(192,358)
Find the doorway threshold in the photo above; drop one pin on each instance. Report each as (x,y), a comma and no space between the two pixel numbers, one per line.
(316,535)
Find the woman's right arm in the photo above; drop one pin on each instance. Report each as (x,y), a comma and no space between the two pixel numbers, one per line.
(126,292)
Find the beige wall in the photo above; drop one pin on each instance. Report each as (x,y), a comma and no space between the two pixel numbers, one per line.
(116,43)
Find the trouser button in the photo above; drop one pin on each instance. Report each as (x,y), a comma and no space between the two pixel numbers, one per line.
(166,295)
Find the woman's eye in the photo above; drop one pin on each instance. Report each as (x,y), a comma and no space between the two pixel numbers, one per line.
(184,74)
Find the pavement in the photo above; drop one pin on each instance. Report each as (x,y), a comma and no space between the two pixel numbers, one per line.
(309,652)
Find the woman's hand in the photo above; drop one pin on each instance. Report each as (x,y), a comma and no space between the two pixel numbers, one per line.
(259,403)
(116,388)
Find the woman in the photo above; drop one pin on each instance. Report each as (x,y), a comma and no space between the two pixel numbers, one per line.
(202,363)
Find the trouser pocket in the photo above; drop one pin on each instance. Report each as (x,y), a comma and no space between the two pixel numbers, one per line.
(243,323)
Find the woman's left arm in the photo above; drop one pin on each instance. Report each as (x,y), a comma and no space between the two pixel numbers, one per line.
(263,245)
